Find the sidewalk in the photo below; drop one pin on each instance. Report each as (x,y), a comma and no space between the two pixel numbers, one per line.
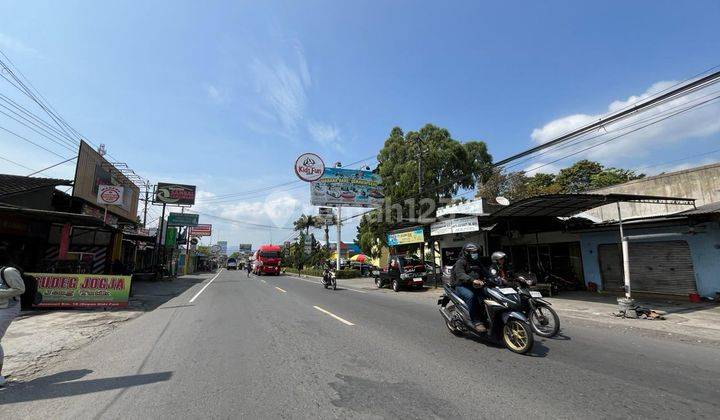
(37,339)
(697,323)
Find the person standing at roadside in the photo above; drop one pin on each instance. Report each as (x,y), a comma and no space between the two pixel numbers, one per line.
(248,267)
(11,287)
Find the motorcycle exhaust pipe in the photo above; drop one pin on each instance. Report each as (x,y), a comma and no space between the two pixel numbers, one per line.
(445,315)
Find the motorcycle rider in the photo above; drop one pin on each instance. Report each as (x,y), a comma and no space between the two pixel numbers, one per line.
(500,266)
(467,278)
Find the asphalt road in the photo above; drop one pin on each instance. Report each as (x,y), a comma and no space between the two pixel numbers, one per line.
(280,347)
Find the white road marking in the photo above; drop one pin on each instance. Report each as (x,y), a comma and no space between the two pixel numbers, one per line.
(280,289)
(344,321)
(318,282)
(206,285)
(263,281)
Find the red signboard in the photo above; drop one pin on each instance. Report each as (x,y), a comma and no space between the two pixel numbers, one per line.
(201,230)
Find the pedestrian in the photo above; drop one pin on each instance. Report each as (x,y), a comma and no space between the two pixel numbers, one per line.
(11,287)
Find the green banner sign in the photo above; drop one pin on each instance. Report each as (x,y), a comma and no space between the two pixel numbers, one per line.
(183,219)
(83,290)
(171,237)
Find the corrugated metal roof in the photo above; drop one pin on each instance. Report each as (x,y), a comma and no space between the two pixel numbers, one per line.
(564,205)
(706,209)
(13,184)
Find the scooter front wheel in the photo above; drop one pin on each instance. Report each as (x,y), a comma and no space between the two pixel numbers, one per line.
(517,336)
(545,321)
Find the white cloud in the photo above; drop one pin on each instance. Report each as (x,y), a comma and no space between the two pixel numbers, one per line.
(282,87)
(326,135)
(9,43)
(697,123)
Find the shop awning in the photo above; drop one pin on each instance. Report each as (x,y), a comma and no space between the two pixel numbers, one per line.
(53,216)
(564,205)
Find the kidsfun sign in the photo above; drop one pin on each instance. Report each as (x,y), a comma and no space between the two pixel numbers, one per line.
(309,167)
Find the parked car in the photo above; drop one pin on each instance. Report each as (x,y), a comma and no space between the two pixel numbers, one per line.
(231,264)
(402,272)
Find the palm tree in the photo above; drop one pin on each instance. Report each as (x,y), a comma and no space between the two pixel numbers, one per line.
(305,222)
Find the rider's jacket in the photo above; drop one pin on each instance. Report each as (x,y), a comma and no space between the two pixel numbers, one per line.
(464,272)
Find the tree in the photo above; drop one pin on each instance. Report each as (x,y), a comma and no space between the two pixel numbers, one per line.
(370,230)
(235,254)
(305,222)
(448,165)
(511,185)
(587,175)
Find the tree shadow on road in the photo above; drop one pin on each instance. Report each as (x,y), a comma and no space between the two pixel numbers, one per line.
(66,384)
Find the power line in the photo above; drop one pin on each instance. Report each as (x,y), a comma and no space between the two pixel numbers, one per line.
(52,166)
(624,134)
(32,142)
(580,140)
(15,163)
(703,81)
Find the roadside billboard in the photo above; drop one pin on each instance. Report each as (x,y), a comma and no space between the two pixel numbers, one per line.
(201,230)
(347,188)
(83,290)
(174,194)
(459,225)
(223,247)
(246,248)
(183,219)
(92,171)
(410,236)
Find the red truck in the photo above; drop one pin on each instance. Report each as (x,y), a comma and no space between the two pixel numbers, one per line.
(266,260)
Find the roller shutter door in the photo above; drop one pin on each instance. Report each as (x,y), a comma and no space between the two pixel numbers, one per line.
(658,267)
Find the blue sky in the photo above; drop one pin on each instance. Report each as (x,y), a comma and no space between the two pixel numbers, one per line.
(226,94)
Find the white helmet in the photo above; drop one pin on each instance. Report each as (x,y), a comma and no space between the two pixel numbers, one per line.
(497,255)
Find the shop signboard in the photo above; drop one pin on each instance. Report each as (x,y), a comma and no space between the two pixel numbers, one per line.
(183,219)
(110,194)
(93,171)
(413,236)
(475,207)
(174,194)
(348,188)
(201,230)
(459,225)
(83,290)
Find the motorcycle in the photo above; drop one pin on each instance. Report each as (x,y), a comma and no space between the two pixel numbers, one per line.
(505,321)
(543,319)
(329,278)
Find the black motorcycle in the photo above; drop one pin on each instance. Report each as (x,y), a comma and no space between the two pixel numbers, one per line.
(543,319)
(329,278)
(505,321)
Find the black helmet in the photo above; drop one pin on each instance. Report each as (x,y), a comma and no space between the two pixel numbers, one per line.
(471,252)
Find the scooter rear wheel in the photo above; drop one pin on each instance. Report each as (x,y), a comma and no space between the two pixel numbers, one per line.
(453,329)
(517,336)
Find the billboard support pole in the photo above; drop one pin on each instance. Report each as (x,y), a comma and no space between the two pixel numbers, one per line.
(339,229)
(160,234)
(187,249)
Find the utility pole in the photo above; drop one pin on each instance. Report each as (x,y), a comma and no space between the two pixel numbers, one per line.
(147,198)
(339,229)
(420,191)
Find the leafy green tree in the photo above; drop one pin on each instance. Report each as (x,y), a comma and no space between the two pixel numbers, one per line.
(511,185)
(448,165)
(578,177)
(235,254)
(613,176)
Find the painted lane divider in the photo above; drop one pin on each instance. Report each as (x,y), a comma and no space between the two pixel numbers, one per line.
(344,321)
(316,282)
(280,289)
(205,287)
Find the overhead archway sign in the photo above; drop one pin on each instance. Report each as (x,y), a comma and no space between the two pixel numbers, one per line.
(309,167)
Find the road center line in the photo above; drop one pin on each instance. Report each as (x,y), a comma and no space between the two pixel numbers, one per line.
(280,289)
(263,281)
(344,321)
(205,287)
